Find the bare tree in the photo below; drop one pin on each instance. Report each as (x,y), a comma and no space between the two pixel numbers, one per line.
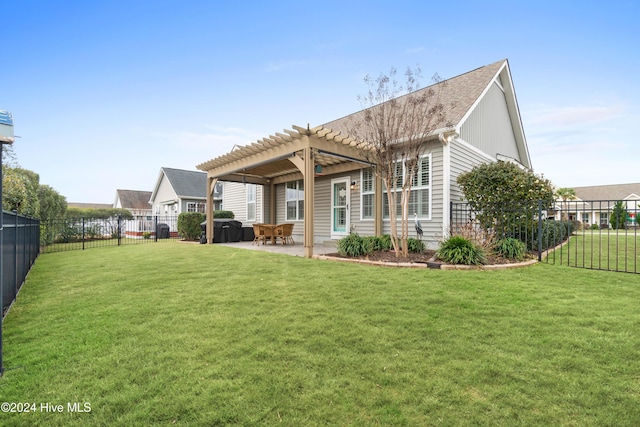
(395,123)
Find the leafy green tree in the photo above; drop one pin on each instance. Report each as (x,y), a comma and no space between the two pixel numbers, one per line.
(619,216)
(52,204)
(20,191)
(564,195)
(502,193)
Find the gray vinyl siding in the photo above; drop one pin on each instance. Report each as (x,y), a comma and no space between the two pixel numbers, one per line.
(432,228)
(322,201)
(488,128)
(463,160)
(234,199)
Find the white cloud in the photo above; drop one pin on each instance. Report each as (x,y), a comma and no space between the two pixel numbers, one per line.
(582,145)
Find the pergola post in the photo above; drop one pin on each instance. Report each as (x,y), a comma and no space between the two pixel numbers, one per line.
(309,184)
(211,185)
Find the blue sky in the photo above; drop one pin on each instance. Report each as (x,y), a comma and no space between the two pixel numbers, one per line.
(104,93)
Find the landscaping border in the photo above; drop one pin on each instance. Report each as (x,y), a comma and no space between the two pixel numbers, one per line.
(432,265)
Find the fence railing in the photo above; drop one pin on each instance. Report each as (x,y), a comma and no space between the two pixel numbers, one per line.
(20,248)
(600,235)
(68,234)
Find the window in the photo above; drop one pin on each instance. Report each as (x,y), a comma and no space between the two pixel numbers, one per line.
(251,202)
(420,198)
(367,192)
(604,217)
(195,207)
(295,200)
(585,217)
(217,190)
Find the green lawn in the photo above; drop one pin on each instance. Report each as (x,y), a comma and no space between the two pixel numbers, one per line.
(188,334)
(601,250)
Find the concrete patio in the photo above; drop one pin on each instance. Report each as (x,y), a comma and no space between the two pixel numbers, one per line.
(296,250)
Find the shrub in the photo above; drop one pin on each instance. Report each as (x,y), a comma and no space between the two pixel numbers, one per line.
(458,250)
(511,248)
(189,225)
(223,214)
(595,227)
(353,245)
(415,246)
(378,243)
(146,235)
(553,233)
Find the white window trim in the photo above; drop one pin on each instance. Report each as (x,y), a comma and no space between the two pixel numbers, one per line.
(364,193)
(429,187)
(252,202)
(299,187)
(196,207)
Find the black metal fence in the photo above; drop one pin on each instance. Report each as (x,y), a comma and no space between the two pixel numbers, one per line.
(68,234)
(599,235)
(20,248)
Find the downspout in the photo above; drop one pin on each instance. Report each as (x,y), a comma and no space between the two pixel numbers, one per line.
(446,138)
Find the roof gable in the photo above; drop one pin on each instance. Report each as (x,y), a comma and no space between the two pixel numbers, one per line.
(133,199)
(186,184)
(460,96)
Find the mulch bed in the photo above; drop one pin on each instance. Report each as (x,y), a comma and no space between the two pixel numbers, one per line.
(427,256)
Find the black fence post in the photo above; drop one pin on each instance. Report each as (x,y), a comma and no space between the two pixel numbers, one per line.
(539,230)
(119,225)
(15,256)
(155,225)
(83,233)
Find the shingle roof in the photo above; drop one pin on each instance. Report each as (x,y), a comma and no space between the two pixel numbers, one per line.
(607,192)
(187,184)
(133,199)
(457,95)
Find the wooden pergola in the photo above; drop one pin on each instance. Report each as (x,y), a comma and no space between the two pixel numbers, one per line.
(302,153)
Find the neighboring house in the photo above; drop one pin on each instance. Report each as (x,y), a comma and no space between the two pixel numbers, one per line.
(317,178)
(594,204)
(136,202)
(178,191)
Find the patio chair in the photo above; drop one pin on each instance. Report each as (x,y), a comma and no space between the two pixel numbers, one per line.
(287,231)
(259,235)
(283,232)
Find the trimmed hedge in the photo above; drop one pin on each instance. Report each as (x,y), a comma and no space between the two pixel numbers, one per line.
(223,214)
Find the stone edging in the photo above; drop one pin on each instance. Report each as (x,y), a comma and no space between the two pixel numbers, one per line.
(429,265)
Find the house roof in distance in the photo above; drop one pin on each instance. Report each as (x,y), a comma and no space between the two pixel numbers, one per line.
(608,192)
(133,199)
(187,184)
(90,205)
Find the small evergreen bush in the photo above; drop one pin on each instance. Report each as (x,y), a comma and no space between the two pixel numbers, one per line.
(189,225)
(415,246)
(595,227)
(354,246)
(379,243)
(458,250)
(511,248)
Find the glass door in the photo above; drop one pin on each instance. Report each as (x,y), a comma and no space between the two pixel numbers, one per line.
(340,207)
